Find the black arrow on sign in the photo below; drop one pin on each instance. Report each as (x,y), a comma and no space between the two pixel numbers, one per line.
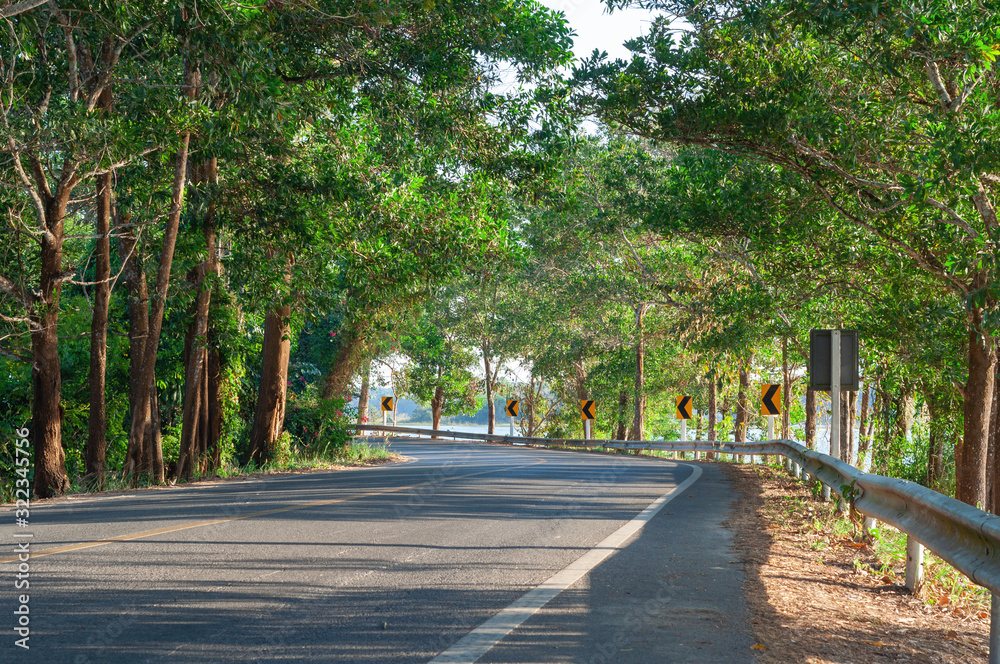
(770,407)
(588,410)
(386,403)
(512,408)
(684,408)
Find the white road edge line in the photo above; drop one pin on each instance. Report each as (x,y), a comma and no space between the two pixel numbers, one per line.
(479,641)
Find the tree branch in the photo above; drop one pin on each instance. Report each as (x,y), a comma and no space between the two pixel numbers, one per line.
(20,7)
(936,270)
(934,74)
(26,181)
(984,206)
(16,356)
(956,219)
(71,54)
(13,289)
(809,152)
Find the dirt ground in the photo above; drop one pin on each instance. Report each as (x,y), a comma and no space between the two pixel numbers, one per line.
(813,595)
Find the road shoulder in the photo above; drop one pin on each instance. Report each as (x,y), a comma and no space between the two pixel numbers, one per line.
(811,599)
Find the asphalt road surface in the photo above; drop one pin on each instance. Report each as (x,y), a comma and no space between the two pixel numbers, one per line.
(464,551)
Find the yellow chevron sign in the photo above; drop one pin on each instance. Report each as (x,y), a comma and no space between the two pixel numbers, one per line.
(588,409)
(512,407)
(684,407)
(388,404)
(770,400)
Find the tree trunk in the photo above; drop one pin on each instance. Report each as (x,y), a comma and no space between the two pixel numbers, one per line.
(622,413)
(889,408)
(193,392)
(191,409)
(203,434)
(810,419)
(144,385)
(437,405)
(490,406)
(580,376)
(935,437)
(97,420)
(873,418)
(742,410)
(992,477)
(46,379)
(870,433)
(152,445)
(905,413)
(638,421)
(269,414)
(349,357)
(530,406)
(786,396)
(846,424)
(713,412)
(213,458)
(363,395)
(970,474)
(863,425)
(195,413)
(138,328)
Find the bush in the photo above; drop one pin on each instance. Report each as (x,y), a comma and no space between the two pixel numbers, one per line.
(319,426)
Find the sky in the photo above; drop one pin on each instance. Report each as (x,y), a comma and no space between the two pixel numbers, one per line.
(595,28)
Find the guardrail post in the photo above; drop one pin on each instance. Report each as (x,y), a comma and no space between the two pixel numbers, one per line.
(914,565)
(796,470)
(826,494)
(995,629)
(868,525)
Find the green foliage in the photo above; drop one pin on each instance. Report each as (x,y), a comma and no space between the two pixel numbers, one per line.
(318,426)
(364,159)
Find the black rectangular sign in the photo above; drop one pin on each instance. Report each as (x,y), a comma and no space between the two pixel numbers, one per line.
(819,360)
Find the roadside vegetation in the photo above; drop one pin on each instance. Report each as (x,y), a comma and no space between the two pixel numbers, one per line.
(353,454)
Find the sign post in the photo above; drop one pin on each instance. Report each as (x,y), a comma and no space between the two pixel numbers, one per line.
(683,414)
(834,401)
(770,406)
(841,373)
(512,411)
(588,410)
(388,404)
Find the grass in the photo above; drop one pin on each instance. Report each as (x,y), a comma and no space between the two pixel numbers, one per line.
(352,454)
(943,584)
(885,547)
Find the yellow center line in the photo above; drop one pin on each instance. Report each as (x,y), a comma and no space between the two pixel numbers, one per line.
(198,524)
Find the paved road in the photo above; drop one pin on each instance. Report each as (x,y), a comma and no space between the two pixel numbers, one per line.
(397,563)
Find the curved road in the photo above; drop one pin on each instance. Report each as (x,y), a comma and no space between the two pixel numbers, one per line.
(396,563)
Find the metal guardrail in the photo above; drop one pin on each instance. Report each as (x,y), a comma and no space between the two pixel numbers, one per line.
(966,537)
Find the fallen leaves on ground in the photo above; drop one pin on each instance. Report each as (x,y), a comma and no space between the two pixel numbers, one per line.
(813,601)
